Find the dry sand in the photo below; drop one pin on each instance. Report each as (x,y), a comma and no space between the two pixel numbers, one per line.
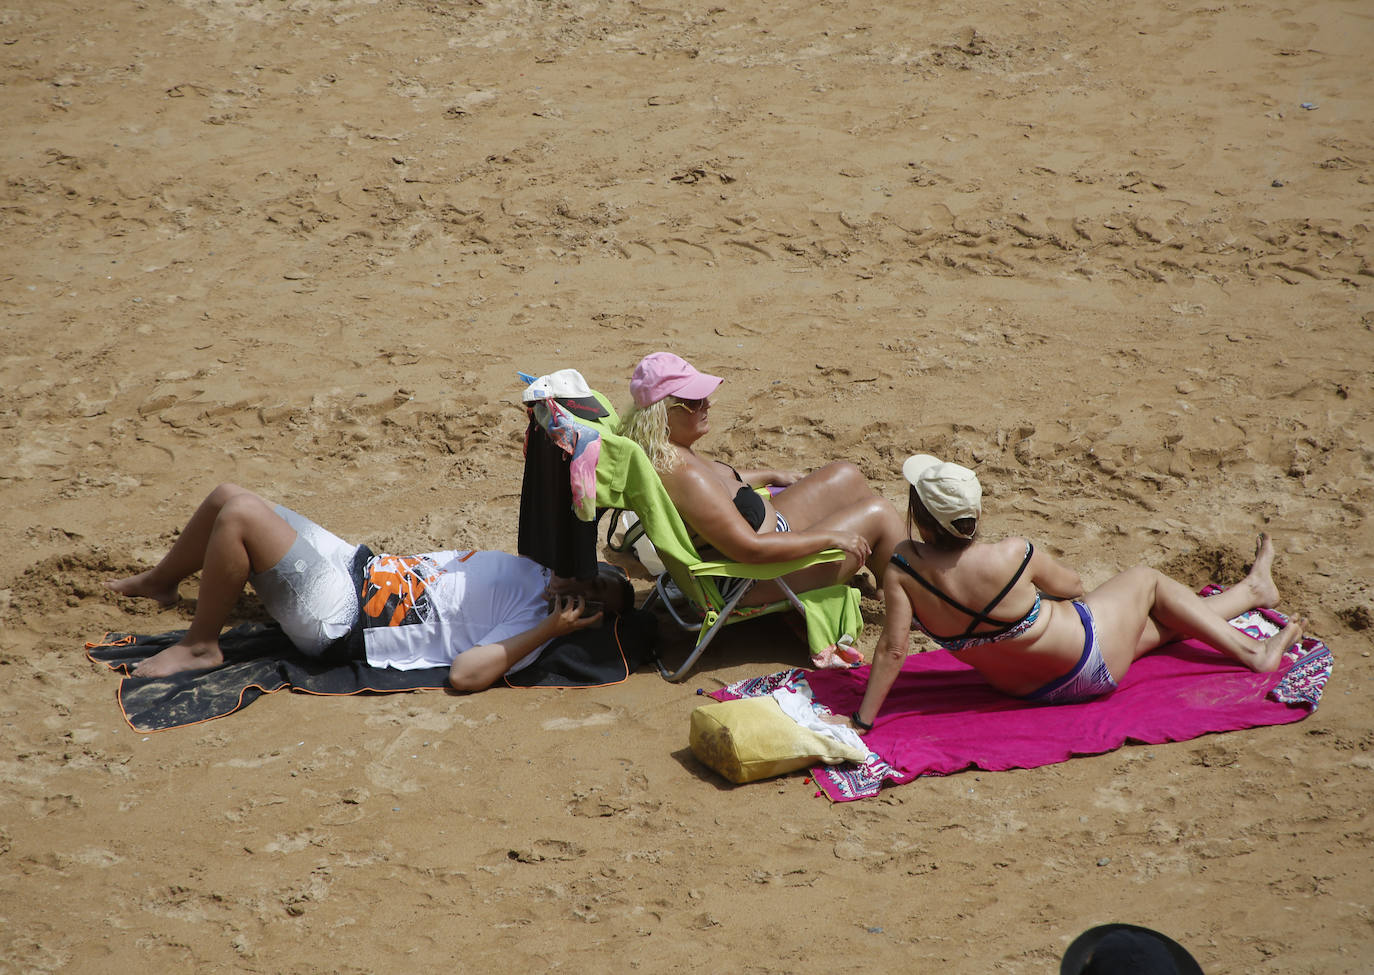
(1101,250)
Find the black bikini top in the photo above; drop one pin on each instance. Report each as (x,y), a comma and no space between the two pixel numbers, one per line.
(750,506)
(748,503)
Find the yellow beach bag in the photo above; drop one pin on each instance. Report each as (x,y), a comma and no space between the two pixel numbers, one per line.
(752,738)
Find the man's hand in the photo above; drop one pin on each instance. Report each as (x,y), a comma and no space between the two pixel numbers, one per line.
(565,612)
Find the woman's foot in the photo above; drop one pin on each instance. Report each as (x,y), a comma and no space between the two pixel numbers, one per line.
(1266,656)
(1260,580)
(1283,641)
(180,657)
(142,586)
(838,656)
(863,581)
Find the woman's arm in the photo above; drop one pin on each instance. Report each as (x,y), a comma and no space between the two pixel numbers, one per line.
(479,667)
(765,478)
(706,505)
(891,651)
(1054,578)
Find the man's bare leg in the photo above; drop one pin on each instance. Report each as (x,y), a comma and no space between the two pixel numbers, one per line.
(186,556)
(246,536)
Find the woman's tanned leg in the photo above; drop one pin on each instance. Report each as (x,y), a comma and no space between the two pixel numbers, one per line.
(1137,605)
(1255,590)
(838,496)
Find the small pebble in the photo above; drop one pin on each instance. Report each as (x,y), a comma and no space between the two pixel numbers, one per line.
(1104,861)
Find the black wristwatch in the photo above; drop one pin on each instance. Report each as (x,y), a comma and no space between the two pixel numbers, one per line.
(859,723)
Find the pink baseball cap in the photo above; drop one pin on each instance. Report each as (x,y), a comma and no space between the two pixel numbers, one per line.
(661,374)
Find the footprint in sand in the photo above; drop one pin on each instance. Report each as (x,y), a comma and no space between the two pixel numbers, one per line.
(687,249)
(542,850)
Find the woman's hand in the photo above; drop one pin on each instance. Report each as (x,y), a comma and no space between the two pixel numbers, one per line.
(783,478)
(846,721)
(851,542)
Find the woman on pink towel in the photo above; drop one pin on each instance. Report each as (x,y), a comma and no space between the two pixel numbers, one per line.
(986,602)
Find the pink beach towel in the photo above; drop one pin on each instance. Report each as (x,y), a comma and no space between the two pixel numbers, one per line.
(941,717)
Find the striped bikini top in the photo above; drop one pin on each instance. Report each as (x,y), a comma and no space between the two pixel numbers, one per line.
(1002,629)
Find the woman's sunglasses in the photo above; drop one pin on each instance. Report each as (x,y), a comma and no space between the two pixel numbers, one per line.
(694,405)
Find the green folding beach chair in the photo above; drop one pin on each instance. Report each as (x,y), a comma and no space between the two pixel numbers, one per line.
(703,595)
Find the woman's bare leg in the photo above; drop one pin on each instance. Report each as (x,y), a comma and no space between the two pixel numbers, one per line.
(836,485)
(1123,607)
(838,496)
(874,519)
(1255,590)
(246,535)
(186,556)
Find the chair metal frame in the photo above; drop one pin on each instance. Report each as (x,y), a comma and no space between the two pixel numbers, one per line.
(715,618)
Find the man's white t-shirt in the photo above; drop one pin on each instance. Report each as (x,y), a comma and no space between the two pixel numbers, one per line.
(423,610)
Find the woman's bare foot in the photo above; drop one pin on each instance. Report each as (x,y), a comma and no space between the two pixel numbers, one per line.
(1259,579)
(179,657)
(1267,656)
(141,586)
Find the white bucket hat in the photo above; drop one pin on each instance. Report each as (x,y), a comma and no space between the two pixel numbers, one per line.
(563,384)
(949,491)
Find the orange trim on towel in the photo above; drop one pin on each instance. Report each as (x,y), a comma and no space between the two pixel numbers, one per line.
(615,630)
(124,641)
(240,705)
(122,669)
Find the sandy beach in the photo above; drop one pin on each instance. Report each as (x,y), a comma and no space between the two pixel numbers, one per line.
(1115,256)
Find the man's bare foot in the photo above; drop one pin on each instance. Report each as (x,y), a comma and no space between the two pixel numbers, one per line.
(180,657)
(141,586)
(1259,579)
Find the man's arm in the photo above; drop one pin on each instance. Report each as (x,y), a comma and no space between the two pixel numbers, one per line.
(478,668)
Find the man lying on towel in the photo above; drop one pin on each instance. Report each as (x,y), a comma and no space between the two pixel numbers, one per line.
(482,614)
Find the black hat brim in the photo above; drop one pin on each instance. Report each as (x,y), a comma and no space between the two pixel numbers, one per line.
(1081,951)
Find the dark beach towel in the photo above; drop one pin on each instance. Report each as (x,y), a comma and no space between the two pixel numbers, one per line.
(260,660)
